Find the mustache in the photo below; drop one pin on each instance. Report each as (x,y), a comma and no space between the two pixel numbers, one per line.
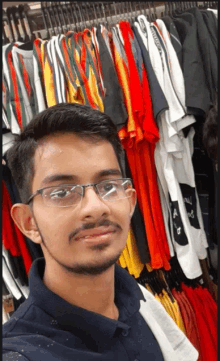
(104,222)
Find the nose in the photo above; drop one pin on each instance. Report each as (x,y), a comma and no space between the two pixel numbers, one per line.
(93,206)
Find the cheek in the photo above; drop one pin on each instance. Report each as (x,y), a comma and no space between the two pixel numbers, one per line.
(122,213)
(55,224)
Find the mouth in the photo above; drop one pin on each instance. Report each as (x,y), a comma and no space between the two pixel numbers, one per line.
(95,236)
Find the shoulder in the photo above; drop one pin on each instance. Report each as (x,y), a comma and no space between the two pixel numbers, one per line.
(13,356)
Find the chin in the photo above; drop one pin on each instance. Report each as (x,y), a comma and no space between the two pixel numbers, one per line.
(94,268)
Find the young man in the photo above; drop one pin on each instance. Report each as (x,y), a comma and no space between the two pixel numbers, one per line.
(77,205)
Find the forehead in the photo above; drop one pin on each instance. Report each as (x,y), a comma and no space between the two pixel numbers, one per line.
(70,154)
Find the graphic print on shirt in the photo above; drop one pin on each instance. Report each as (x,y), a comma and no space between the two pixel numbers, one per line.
(178,229)
(157,43)
(189,197)
(143,27)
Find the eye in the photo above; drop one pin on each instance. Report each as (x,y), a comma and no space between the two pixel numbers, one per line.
(60,193)
(107,187)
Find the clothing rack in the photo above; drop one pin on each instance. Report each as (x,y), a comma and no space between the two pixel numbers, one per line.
(57,18)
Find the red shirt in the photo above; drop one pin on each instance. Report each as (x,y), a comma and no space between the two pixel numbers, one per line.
(12,238)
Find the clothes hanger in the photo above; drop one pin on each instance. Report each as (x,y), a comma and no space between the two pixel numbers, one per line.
(95,17)
(104,14)
(6,39)
(51,10)
(56,18)
(82,12)
(26,37)
(64,8)
(29,38)
(46,7)
(84,15)
(86,8)
(100,15)
(73,22)
(154,11)
(15,23)
(78,16)
(150,13)
(44,19)
(142,8)
(27,25)
(8,27)
(58,10)
(19,22)
(66,15)
(11,22)
(111,20)
(126,11)
(136,10)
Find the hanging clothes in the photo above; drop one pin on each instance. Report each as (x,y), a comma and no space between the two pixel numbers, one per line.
(138,73)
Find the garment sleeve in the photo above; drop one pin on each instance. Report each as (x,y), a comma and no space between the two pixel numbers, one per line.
(13,356)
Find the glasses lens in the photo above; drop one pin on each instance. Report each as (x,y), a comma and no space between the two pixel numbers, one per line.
(115,189)
(62,196)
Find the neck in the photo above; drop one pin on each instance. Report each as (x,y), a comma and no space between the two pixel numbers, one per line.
(93,292)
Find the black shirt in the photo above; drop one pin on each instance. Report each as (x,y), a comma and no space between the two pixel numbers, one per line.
(113,101)
(47,328)
(196,86)
(209,55)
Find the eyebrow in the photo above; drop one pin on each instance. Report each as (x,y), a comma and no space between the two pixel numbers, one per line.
(70,177)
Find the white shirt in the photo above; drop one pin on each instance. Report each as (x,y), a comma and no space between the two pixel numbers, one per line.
(173,343)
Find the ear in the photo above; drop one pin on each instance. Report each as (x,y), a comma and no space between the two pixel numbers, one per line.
(132,201)
(23,217)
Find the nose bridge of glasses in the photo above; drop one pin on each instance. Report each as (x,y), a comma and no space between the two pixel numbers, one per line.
(91,185)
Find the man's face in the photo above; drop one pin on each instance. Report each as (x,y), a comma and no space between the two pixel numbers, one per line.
(89,237)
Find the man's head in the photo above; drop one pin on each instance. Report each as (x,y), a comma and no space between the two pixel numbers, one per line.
(71,144)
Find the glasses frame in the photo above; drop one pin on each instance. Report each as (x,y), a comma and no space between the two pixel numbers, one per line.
(83,186)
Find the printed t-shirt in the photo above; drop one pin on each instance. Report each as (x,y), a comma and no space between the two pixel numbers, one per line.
(185,161)
(170,141)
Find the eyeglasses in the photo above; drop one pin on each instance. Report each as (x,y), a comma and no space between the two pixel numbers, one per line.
(68,195)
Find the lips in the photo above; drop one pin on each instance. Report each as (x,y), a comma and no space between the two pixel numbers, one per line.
(93,233)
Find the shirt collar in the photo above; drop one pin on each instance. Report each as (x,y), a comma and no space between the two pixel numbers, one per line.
(83,323)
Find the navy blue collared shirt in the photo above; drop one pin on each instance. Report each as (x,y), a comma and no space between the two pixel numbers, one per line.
(47,328)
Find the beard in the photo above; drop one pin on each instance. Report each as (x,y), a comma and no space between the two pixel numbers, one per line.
(85,269)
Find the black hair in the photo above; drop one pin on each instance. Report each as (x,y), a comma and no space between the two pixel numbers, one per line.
(62,118)
(210,132)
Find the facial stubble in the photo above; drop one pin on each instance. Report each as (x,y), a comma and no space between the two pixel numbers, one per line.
(84,269)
